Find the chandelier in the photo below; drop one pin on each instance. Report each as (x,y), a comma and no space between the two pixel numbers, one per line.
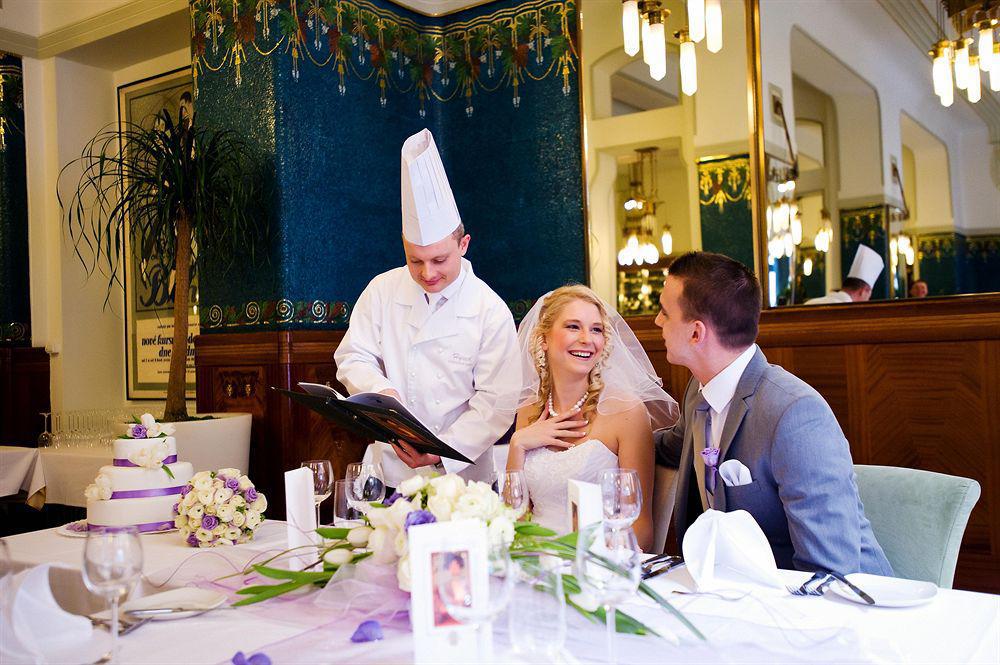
(975,21)
(643,24)
(640,214)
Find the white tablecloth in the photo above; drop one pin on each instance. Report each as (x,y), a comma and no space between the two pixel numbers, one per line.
(957,626)
(17,466)
(64,473)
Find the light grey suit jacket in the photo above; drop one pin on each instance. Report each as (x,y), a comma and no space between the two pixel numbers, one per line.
(804,493)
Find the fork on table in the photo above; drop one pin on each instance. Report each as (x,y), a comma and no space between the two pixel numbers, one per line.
(814,586)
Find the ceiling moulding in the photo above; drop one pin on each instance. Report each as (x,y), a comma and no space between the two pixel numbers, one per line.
(89,30)
(436,8)
(918,24)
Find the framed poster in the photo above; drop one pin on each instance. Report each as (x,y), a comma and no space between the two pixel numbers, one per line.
(149,311)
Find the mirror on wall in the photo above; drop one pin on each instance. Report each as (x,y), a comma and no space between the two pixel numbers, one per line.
(667,140)
(875,189)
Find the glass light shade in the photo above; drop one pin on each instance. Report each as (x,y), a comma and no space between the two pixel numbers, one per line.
(623,258)
(942,73)
(904,243)
(769,214)
(796,230)
(807,267)
(631,25)
(995,69)
(910,254)
(696,19)
(645,40)
(667,243)
(948,96)
(962,65)
(650,254)
(893,246)
(974,82)
(985,52)
(789,245)
(633,244)
(713,25)
(689,69)
(658,52)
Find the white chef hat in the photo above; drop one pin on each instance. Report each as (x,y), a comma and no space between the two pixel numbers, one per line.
(867,265)
(429,210)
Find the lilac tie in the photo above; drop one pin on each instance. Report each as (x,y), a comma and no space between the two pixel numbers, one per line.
(702,441)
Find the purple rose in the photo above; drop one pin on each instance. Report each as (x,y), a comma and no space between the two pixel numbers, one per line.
(367,631)
(250,495)
(233,484)
(192,540)
(137,432)
(209,522)
(259,658)
(393,498)
(176,511)
(185,490)
(416,517)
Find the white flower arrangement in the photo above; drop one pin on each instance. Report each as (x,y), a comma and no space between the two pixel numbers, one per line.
(219,508)
(150,457)
(100,489)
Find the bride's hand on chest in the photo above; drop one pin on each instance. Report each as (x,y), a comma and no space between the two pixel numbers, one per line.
(562,431)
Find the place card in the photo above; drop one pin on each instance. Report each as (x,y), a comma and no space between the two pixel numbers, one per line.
(585,504)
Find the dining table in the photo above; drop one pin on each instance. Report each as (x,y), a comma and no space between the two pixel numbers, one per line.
(750,627)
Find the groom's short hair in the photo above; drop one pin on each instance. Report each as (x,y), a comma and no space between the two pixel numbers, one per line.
(722,292)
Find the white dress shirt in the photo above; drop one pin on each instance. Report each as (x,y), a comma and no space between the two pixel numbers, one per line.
(719,391)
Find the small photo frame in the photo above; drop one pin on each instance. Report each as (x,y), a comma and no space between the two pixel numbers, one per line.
(585,504)
(448,569)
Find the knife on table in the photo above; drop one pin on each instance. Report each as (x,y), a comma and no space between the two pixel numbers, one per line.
(853,587)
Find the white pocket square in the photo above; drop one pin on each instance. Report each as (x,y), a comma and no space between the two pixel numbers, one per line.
(734,473)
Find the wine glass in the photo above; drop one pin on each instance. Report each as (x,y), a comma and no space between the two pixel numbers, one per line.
(537,620)
(45,438)
(112,563)
(608,566)
(322,472)
(621,494)
(366,484)
(344,512)
(514,491)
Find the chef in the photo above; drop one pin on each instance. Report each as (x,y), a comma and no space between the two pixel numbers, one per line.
(857,287)
(433,335)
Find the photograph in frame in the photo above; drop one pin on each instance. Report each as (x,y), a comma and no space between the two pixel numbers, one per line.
(148,281)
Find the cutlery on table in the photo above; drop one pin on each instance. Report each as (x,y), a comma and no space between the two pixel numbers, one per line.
(164,611)
(853,587)
(668,565)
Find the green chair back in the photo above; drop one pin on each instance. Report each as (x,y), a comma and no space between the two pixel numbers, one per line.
(918,518)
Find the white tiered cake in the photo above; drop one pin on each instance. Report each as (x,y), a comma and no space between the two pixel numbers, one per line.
(135,490)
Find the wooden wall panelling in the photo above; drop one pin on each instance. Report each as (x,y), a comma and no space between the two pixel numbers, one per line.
(24,394)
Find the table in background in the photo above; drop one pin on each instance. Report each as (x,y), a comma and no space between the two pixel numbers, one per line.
(17,467)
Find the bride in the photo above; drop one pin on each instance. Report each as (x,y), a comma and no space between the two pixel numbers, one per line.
(590,402)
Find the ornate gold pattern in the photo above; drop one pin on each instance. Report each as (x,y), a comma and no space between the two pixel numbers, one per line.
(724,181)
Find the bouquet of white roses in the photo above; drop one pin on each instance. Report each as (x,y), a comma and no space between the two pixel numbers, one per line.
(219,508)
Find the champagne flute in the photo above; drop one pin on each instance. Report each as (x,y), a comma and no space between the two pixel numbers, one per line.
(112,563)
(45,438)
(366,484)
(514,491)
(608,568)
(621,493)
(322,473)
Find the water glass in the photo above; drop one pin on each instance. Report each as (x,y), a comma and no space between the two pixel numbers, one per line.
(367,483)
(112,563)
(344,512)
(536,621)
(514,491)
(322,473)
(621,494)
(608,568)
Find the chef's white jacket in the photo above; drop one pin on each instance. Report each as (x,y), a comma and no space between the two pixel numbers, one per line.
(457,367)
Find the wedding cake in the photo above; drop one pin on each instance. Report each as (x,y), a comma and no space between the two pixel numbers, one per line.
(142,484)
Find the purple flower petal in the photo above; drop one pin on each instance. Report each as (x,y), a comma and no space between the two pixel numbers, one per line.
(415,517)
(176,511)
(233,484)
(259,658)
(250,495)
(209,522)
(393,498)
(185,490)
(137,432)
(192,540)
(367,631)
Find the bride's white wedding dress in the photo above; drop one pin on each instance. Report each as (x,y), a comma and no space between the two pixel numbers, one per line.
(548,473)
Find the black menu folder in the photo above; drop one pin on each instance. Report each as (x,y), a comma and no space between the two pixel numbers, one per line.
(373,416)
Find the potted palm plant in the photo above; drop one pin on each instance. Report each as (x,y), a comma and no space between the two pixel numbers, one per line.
(164,188)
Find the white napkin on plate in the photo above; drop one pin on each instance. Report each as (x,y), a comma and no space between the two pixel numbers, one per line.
(33,627)
(729,551)
(734,473)
(300,511)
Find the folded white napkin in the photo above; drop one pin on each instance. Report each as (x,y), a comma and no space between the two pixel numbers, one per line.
(734,473)
(300,511)
(33,627)
(729,551)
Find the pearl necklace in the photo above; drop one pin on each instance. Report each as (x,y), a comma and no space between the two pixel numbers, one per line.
(552,411)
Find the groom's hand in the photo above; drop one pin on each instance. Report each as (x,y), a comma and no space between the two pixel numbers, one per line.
(413,459)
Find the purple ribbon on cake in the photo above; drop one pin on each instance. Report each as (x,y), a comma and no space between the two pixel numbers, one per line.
(143,528)
(141,494)
(170,459)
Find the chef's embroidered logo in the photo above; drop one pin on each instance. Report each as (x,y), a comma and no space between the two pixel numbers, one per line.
(460,359)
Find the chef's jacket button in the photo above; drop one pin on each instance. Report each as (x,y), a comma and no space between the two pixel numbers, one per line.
(437,401)
(440,376)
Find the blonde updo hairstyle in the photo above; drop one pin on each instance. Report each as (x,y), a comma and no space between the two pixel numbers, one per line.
(551,308)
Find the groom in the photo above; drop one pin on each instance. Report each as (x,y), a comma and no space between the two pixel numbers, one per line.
(786,460)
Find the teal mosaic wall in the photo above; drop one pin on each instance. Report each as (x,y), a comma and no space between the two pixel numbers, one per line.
(953,263)
(330,89)
(868,226)
(15,303)
(724,204)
